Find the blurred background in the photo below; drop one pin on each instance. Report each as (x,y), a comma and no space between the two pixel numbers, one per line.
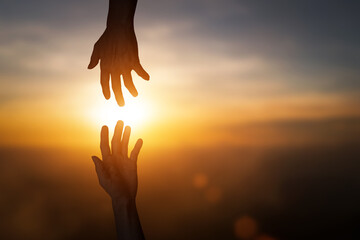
(250,121)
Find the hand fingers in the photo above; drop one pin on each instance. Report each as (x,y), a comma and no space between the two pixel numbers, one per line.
(104,142)
(116,140)
(95,57)
(135,152)
(99,168)
(129,84)
(141,72)
(116,86)
(105,85)
(125,142)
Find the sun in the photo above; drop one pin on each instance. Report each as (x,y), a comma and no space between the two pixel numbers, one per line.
(136,113)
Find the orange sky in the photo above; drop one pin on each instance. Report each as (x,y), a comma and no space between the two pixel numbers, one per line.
(203,85)
(73,117)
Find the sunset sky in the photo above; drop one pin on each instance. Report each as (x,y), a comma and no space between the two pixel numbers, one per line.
(214,66)
(251,115)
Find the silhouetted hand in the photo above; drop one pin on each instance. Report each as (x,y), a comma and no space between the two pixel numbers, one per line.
(117,51)
(117,172)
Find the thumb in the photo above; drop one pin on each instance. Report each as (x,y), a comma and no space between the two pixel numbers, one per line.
(95,57)
(99,167)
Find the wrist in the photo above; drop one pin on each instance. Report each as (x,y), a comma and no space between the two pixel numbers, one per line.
(121,28)
(127,220)
(124,203)
(121,13)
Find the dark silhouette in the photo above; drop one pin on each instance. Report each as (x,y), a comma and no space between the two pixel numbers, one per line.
(117,50)
(117,174)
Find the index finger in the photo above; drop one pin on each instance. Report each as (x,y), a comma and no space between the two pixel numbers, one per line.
(129,84)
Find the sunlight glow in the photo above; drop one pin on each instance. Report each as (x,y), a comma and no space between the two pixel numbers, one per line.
(135,113)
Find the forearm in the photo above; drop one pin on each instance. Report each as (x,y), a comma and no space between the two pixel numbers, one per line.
(127,221)
(121,13)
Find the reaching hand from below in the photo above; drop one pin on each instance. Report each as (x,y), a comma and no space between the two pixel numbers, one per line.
(117,172)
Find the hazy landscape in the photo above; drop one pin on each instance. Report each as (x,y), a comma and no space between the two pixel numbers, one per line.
(297,191)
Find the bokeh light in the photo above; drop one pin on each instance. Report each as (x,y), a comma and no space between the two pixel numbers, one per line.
(245,227)
(200,180)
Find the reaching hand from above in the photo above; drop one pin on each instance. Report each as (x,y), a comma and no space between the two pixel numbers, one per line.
(117,51)
(118,54)
(117,172)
